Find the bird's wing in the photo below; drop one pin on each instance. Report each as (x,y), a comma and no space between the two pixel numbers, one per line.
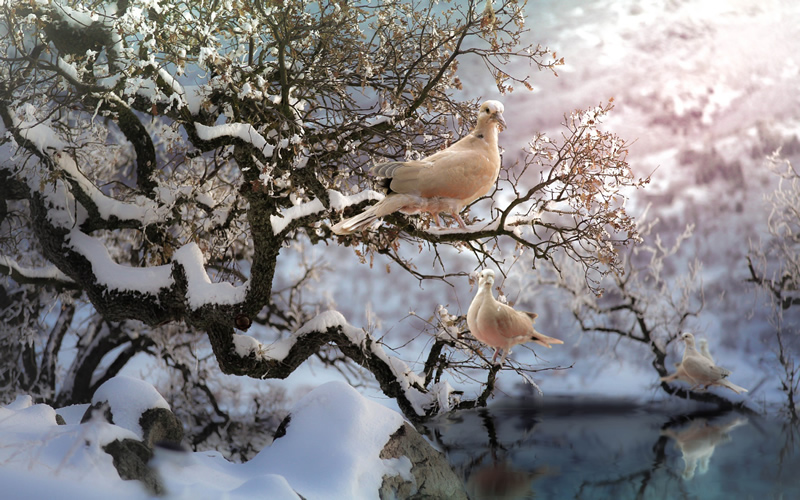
(460,175)
(501,323)
(702,370)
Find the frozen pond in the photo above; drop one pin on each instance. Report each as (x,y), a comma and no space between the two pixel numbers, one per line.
(620,450)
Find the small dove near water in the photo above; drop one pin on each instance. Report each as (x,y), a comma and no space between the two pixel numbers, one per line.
(699,370)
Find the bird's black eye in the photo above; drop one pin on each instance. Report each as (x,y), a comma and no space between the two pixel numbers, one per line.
(487,110)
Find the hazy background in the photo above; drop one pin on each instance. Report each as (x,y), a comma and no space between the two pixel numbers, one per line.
(703,92)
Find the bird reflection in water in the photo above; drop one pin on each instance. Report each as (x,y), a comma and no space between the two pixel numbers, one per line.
(698,442)
(501,480)
(493,474)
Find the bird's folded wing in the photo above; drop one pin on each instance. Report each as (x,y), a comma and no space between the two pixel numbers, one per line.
(387,169)
(459,176)
(500,320)
(701,369)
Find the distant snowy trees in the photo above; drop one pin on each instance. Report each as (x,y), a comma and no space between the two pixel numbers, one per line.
(159,156)
(774,267)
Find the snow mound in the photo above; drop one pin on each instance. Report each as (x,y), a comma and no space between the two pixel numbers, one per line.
(337,435)
(129,398)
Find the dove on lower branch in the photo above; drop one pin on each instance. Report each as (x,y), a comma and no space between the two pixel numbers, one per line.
(446,181)
(498,325)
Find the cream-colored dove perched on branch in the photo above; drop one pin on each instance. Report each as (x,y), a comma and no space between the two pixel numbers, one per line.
(446,181)
(498,325)
(698,370)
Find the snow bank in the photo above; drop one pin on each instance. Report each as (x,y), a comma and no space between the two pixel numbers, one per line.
(41,459)
(332,445)
(331,450)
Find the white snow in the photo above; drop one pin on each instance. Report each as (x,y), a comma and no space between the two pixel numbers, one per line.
(129,398)
(322,322)
(46,272)
(46,140)
(323,428)
(69,69)
(243,131)
(201,290)
(245,345)
(116,276)
(40,135)
(330,451)
(338,201)
(39,457)
(171,81)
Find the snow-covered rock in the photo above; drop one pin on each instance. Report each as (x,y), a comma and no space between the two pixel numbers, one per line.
(137,406)
(336,443)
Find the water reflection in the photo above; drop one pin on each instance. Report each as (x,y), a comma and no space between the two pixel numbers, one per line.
(600,449)
(698,441)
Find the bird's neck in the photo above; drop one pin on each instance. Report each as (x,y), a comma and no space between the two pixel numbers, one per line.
(485,289)
(488,132)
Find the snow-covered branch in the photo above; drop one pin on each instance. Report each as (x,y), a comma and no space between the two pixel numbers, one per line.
(280,358)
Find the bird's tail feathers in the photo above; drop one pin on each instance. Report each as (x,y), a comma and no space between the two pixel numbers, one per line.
(544,340)
(730,385)
(356,223)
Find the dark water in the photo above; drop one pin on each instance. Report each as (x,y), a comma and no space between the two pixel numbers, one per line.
(619,450)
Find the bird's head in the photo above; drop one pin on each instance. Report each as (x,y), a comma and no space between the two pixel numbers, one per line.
(492,111)
(486,277)
(688,338)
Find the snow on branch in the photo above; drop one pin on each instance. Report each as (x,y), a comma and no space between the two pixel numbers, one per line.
(243,131)
(201,290)
(46,141)
(395,377)
(29,274)
(146,280)
(338,202)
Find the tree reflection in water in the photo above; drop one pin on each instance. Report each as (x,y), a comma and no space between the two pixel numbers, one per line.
(599,449)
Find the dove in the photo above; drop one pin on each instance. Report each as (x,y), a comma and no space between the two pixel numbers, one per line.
(680,373)
(698,370)
(703,345)
(498,325)
(446,181)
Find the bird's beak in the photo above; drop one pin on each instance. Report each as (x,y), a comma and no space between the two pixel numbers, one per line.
(498,117)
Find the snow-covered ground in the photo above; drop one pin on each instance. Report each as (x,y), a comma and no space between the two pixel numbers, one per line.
(331,451)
